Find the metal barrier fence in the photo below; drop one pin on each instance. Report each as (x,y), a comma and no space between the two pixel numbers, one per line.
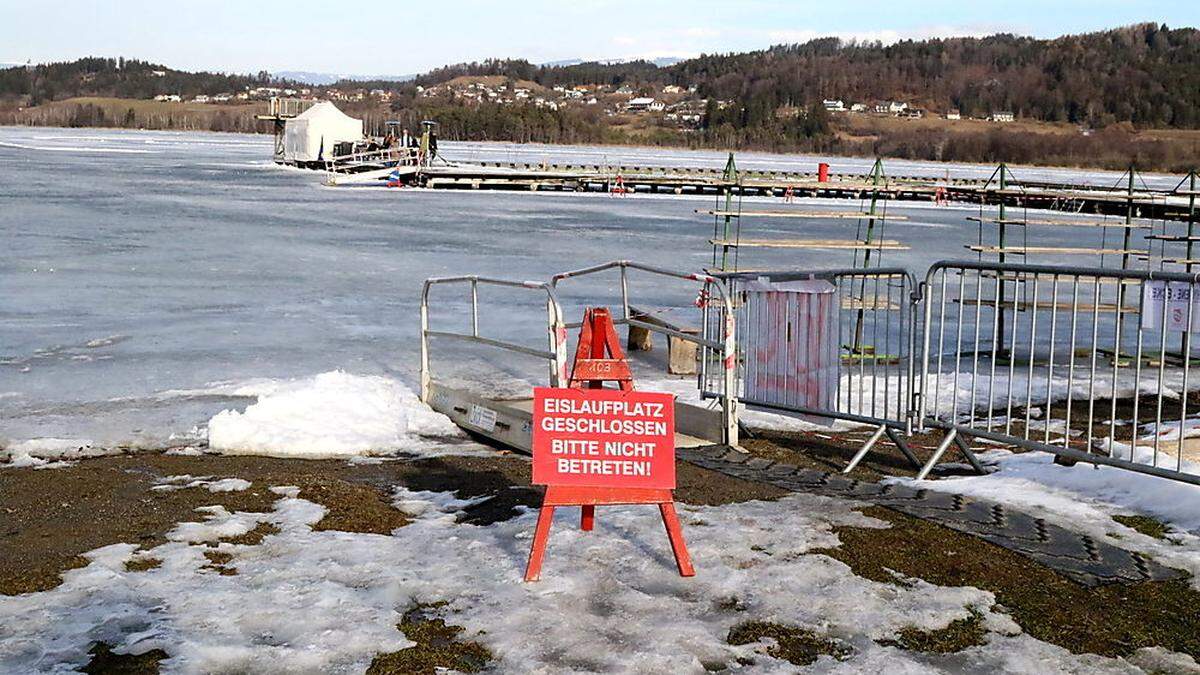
(555,355)
(717,346)
(1090,364)
(833,344)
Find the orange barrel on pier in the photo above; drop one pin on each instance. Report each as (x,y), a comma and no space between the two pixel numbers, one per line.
(823,172)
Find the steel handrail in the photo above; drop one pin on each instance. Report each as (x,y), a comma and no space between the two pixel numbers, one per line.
(556,354)
(727,346)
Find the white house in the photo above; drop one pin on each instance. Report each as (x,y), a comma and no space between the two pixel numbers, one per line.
(954,114)
(644,104)
(897,107)
(1002,116)
(834,105)
(859,108)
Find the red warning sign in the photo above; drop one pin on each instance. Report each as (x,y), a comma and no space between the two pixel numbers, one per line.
(603,438)
(603,447)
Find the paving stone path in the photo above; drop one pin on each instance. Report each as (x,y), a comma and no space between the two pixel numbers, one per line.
(1074,555)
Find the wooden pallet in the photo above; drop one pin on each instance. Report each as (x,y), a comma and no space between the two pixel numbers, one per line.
(1057,250)
(850,244)
(856,215)
(1063,223)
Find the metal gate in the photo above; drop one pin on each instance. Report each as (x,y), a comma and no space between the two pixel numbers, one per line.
(1091,364)
(716,375)
(861,366)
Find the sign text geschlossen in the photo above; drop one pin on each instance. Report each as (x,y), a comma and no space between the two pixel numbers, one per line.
(603,438)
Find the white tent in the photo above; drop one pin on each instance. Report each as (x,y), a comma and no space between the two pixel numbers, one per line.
(311,135)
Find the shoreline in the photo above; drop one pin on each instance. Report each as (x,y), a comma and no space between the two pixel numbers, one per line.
(1094,168)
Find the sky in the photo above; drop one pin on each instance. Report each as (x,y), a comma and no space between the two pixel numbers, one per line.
(367,38)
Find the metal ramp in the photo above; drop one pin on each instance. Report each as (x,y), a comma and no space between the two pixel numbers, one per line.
(509,422)
(508,419)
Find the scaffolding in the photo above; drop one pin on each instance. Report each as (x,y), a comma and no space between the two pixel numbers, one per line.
(870,218)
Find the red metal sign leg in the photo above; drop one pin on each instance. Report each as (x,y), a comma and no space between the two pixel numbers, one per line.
(587,519)
(675,533)
(541,535)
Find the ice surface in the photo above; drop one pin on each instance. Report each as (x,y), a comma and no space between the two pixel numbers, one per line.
(128,294)
(610,600)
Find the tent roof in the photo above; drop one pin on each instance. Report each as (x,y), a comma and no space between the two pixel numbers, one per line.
(324,110)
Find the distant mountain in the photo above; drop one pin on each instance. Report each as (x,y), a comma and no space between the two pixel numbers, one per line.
(326,79)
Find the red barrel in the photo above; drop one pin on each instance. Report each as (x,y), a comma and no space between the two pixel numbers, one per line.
(822,173)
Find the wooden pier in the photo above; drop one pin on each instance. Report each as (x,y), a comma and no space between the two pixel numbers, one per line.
(640,179)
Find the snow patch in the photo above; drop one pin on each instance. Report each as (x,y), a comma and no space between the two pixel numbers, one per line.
(41,452)
(1084,498)
(333,414)
(329,601)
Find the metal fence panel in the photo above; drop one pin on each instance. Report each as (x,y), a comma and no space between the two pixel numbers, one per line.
(1091,364)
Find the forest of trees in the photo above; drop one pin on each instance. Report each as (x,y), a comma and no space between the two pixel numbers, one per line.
(1118,82)
(116,77)
(1145,74)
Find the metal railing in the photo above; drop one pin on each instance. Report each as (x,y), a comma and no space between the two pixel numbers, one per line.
(368,159)
(718,349)
(844,351)
(555,354)
(1090,364)
(288,107)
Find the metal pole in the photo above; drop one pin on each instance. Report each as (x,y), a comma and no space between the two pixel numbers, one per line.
(876,177)
(1002,347)
(425,377)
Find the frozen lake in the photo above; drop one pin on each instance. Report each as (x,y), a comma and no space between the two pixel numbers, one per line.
(152,279)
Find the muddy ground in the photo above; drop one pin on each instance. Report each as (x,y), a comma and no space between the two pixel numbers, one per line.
(48,518)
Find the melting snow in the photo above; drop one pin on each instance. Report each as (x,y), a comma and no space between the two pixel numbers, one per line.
(1085,497)
(329,415)
(610,600)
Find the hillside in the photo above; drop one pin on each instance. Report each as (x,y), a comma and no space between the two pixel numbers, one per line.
(1145,74)
(1099,99)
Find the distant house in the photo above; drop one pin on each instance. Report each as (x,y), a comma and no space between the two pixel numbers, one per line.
(859,108)
(834,105)
(644,104)
(672,89)
(158,73)
(911,114)
(202,98)
(897,107)
(1002,116)
(954,114)
(173,98)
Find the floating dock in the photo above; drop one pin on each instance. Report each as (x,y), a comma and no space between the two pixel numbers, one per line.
(621,180)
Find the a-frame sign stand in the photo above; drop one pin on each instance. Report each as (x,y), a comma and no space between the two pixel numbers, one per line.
(599,359)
